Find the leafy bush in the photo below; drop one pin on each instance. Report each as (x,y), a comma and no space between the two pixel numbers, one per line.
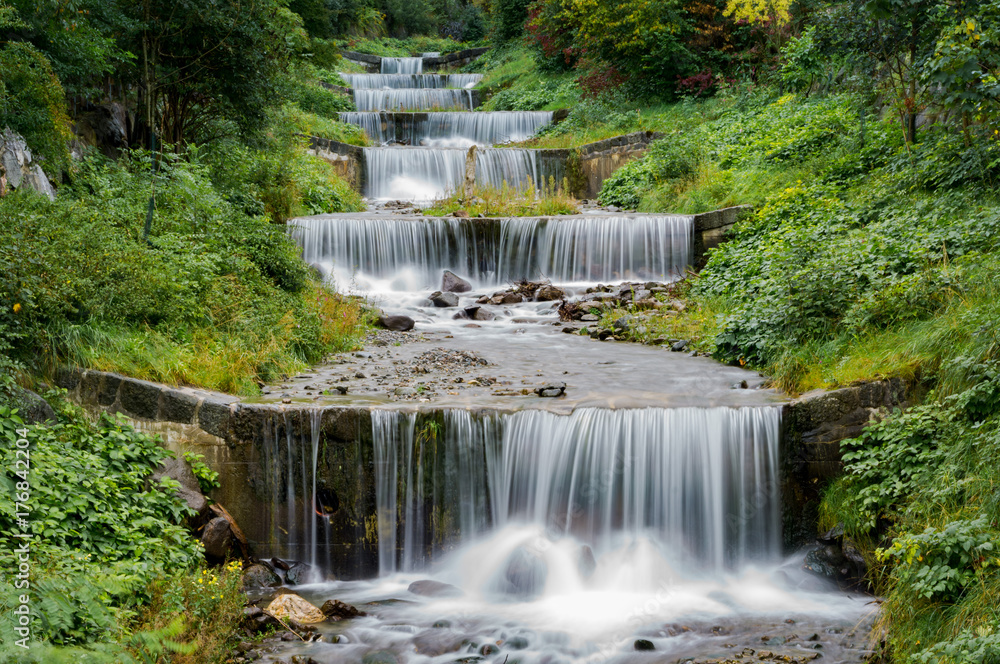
(534,97)
(667,159)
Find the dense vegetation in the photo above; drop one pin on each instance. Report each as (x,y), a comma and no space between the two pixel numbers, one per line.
(863,133)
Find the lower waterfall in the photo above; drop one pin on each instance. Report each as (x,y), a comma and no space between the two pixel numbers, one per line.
(700,484)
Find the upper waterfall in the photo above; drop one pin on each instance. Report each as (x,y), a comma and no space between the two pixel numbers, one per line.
(402,65)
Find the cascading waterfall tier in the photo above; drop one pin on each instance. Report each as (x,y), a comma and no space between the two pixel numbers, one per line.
(290,457)
(425,174)
(700,482)
(402,65)
(413,99)
(411,253)
(400,81)
(448,129)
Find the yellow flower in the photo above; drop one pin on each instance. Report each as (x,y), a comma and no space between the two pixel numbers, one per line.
(17,307)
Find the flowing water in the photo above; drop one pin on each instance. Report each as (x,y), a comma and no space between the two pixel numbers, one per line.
(516,532)
(448,129)
(398,81)
(413,99)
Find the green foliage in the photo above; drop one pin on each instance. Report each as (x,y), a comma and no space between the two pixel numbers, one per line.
(32,103)
(216,283)
(509,17)
(208,479)
(540,96)
(940,563)
(801,62)
(668,159)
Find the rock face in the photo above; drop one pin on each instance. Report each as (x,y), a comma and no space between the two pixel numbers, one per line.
(452,283)
(32,408)
(17,170)
(291,606)
(396,323)
(189,490)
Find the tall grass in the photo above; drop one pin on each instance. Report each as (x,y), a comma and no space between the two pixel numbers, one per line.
(525,200)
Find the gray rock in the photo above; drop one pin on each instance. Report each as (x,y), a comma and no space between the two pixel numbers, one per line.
(217,538)
(260,575)
(297,573)
(478,313)
(107,390)
(396,323)
(644,644)
(404,391)
(551,390)
(452,283)
(213,417)
(445,299)
(189,490)
(431,588)
(17,168)
(524,575)
(590,318)
(624,324)
(504,298)
(548,292)
(437,642)
(32,408)
(334,609)
(679,346)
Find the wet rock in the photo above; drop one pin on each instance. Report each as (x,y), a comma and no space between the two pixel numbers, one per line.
(488,649)
(291,606)
(404,391)
(431,588)
(334,609)
(590,318)
(742,385)
(446,299)
(680,346)
(480,314)
(217,538)
(524,575)
(452,283)
(297,573)
(551,390)
(586,562)
(643,644)
(397,323)
(259,575)
(379,657)
(548,293)
(516,643)
(278,563)
(442,623)
(256,620)
(437,642)
(504,298)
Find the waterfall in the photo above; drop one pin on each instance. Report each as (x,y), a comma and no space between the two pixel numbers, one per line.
(565,250)
(701,482)
(449,129)
(413,252)
(402,65)
(413,99)
(401,81)
(425,174)
(290,462)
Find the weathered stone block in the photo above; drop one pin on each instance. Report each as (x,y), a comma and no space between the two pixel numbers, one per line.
(140,398)
(68,378)
(178,406)
(213,417)
(107,392)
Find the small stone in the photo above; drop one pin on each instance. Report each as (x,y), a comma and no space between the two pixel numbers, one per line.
(396,323)
(680,346)
(590,318)
(742,385)
(360,375)
(404,391)
(551,390)
(644,644)
(431,588)
(548,293)
(334,608)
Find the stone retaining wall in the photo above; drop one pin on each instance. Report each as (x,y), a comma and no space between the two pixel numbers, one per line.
(813,427)
(251,445)
(348,160)
(598,160)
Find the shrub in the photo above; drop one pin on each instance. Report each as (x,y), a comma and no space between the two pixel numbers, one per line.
(667,159)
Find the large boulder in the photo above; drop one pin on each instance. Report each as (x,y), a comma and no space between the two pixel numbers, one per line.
(17,170)
(292,607)
(31,408)
(217,538)
(452,283)
(258,576)
(396,323)
(189,490)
